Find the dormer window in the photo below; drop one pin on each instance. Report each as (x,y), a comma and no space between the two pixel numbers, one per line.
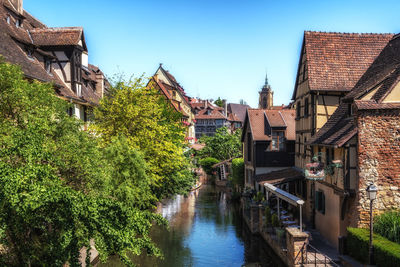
(47,65)
(29,52)
(18,23)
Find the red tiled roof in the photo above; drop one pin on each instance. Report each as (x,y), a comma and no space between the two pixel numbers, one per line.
(232,117)
(56,36)
(383,75)
(336,61)
(215,114)
(276,118)
(372,104)
(164,88)
(337,130)
(256,120)
(278,177)
(14,42)
(289,117)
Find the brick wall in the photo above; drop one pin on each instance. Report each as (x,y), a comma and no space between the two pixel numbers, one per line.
(378,162)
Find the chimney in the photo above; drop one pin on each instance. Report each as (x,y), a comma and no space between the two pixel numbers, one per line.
(18,5)
(100,84)
(225,107)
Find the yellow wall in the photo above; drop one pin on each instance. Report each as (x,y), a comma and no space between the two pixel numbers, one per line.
(394,95)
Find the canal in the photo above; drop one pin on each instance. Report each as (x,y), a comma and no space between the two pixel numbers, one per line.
(206,229)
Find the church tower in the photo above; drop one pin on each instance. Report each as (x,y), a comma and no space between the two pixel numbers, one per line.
(266,96)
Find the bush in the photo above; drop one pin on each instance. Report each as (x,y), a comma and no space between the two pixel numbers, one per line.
(267,213)
(275,220)
(207,164)
(388,225)
(238,171)
(386,252)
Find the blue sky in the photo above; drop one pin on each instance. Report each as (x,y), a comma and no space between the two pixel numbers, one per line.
(213,47)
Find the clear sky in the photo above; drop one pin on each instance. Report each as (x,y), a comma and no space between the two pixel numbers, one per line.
(213,47)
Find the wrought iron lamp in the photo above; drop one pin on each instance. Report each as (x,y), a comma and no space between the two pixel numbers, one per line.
(371,193)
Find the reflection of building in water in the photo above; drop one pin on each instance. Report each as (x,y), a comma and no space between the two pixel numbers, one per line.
(180,211)
(223,208)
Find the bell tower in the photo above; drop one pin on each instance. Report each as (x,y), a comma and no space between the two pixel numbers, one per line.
(266,99)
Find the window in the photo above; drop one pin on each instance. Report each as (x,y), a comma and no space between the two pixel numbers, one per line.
(174,94)
(8,19)
(306,110)
(249,146)
(278,141)
(298,110)
(18,23)
(320,201)
(47,65)
(29,52)
(264,102)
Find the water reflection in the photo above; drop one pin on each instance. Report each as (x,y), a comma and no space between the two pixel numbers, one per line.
(205,230)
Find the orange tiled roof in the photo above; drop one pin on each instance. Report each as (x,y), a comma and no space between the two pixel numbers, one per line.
(56,36)
(383,75)
(336,61)
(276,118)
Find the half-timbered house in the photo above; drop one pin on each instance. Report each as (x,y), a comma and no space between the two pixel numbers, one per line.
(330,65)
(165,82)
(362,136)
(268,142)
(55,55)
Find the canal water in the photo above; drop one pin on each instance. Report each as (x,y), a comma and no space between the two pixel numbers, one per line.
(206,229)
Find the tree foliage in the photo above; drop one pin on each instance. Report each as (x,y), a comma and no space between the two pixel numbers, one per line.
(58,188)
(223,145)
(207,164)
(238,171)
(151,126)
(219,102)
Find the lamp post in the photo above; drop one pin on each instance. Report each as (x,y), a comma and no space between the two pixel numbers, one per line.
(371,193)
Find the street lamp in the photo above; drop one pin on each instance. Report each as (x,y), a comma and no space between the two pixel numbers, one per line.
(371,193)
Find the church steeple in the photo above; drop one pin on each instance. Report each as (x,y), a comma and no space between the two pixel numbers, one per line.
(266,95)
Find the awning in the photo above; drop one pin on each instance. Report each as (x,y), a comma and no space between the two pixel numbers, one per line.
(295,201)
(279,177)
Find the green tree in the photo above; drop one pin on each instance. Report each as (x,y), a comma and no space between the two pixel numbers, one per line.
(238,172)
(150,126)
(219,102)
(223,145)
(56,190)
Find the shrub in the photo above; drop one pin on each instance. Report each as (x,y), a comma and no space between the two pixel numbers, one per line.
(207,164)
(386,252)
(258,197)
(267,215)
(388,225)
(238,171)
(275,220)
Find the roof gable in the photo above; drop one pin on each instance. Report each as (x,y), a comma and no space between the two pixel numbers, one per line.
(336,61)
(64,36)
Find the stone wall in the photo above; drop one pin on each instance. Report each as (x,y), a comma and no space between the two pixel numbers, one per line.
(378,162)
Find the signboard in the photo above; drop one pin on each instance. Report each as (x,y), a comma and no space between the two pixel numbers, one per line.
(315,170)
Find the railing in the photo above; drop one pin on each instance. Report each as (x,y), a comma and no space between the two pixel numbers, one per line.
(309,256)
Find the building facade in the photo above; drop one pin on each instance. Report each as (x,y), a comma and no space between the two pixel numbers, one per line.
(363,135)
(166,83)
(55,55)
(209,117)
(268,142)
(329,67)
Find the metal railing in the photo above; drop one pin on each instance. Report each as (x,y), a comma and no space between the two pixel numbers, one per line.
(310,256)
